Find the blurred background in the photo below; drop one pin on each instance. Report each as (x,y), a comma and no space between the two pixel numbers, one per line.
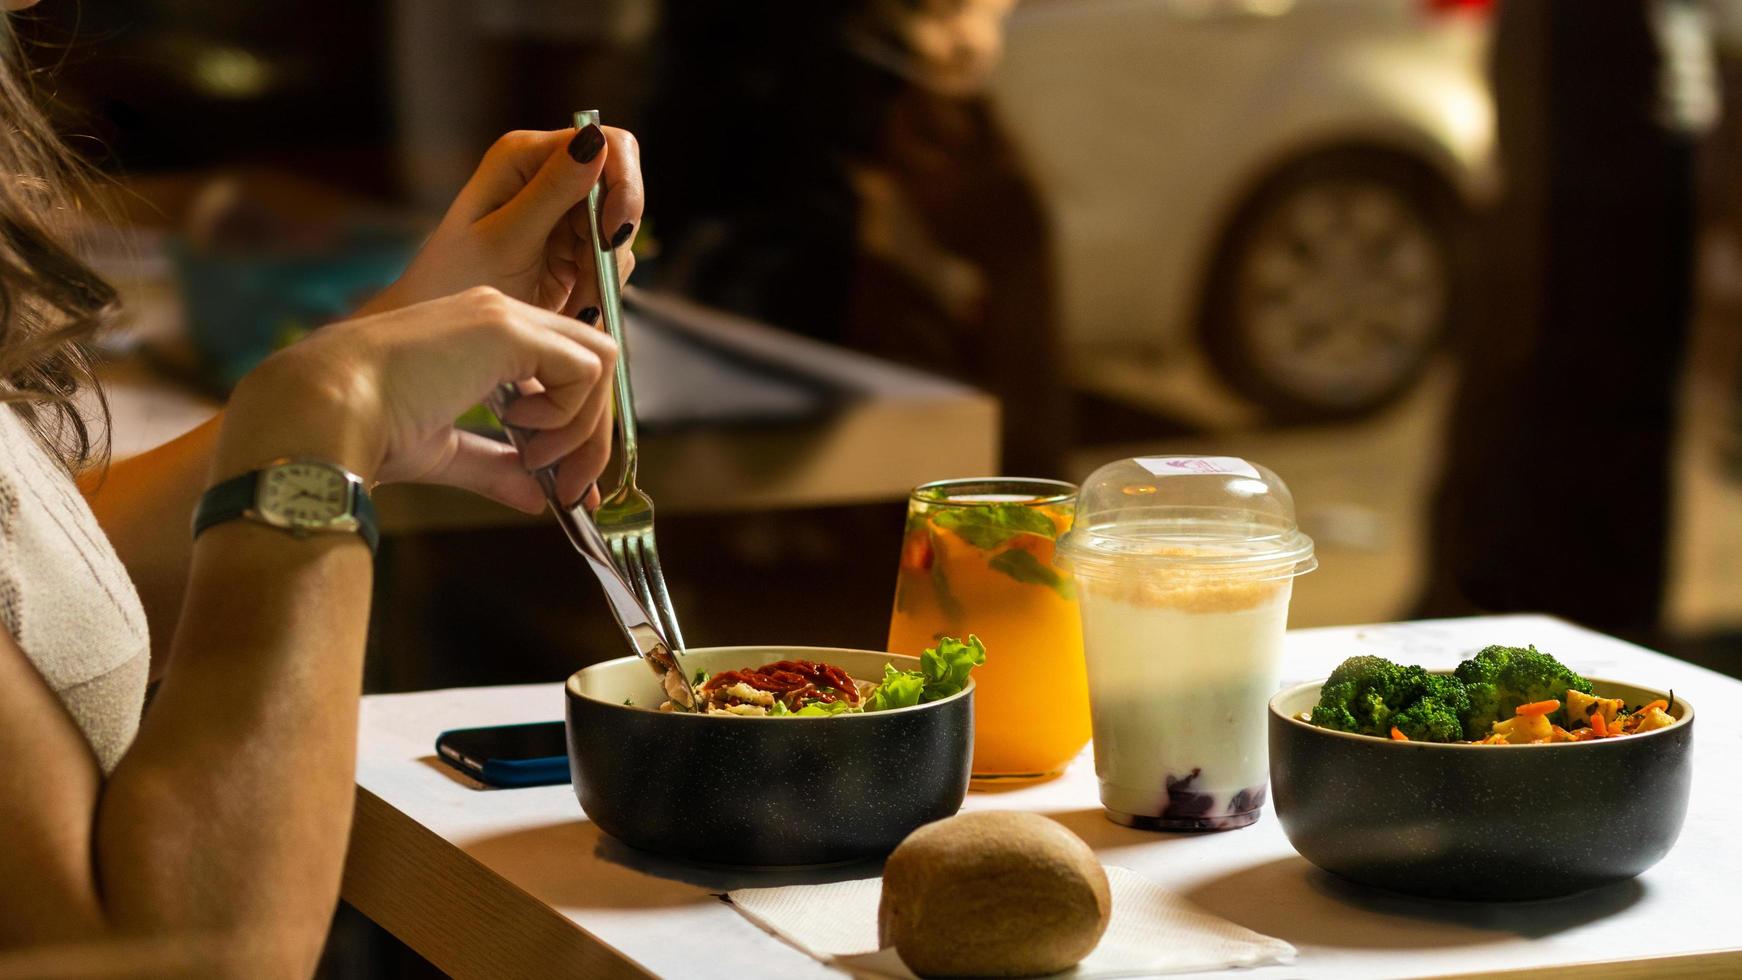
(1477,303)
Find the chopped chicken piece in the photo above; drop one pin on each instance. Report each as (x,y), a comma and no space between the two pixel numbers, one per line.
(749,695)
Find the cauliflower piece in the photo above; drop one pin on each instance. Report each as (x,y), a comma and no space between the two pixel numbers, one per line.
(1581,706)
(1524,729)
(1654,718)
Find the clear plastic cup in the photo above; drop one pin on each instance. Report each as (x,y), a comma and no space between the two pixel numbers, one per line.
(1184,566)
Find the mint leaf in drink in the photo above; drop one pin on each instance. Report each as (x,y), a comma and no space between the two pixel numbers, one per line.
(1024,567)
(948,604)
(987,526)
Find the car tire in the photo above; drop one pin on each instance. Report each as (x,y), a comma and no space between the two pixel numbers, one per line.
(1334,285)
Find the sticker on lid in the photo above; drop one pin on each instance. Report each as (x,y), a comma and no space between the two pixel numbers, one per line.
(1197,466)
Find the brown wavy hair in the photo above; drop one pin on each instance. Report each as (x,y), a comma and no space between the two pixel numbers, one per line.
(51,302)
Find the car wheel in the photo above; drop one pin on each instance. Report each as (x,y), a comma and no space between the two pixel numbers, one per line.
(1334,285)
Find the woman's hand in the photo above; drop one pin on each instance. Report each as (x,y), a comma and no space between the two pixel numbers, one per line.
(520,224)
(379,394)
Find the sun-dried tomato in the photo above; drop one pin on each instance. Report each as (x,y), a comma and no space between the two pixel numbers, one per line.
(788,676)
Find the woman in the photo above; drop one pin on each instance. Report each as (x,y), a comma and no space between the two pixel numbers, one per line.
(214,827)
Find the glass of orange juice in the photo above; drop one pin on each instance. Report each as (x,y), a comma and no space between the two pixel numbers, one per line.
(978,558)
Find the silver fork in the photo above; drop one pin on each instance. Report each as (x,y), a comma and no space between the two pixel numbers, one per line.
(625,516)
(632,616)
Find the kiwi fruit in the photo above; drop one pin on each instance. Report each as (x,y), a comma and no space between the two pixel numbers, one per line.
(993,894)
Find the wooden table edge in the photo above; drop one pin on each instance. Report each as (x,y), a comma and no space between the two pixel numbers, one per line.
(455,912)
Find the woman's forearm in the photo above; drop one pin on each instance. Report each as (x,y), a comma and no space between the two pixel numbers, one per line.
(145,504)
(231,811)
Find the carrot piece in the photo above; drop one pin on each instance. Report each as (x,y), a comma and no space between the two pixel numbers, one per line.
(1659,703)
(1397,736)
(1539,707)
(1599,726)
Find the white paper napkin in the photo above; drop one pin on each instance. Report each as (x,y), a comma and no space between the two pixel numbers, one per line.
(1152,930)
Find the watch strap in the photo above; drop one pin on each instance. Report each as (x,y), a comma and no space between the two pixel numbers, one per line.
(234,498)
(226,501)
(363,509)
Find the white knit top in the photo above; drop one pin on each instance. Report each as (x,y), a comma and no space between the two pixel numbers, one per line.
(65,596)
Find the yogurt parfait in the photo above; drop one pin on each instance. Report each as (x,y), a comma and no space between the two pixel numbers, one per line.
(1184,567)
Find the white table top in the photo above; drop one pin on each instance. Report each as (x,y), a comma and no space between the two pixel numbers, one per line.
(664,917)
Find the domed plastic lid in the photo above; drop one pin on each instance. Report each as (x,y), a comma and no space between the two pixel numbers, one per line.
(1208,514)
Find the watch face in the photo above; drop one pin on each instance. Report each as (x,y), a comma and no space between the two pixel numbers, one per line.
(303,494)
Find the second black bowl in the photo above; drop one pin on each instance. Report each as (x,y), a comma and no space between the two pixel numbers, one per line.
(726,789)
(1480,822)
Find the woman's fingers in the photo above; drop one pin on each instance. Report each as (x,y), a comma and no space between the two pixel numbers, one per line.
(571,365)
(538,412)
(576,252)
(520,223)
(561,274)
(491,469)
(621,200)
(508,166)
(579,471)
(567,171)
(573,248)
(551,444)
(623,197)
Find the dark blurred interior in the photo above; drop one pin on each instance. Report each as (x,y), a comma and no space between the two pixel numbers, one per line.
(1476,303)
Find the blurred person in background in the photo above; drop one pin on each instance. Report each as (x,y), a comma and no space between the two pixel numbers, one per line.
(207,835)
(907,225)
(1555,494)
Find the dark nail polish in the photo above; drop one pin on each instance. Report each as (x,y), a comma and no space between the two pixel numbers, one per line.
(587,144)
(590,315)
(623,234)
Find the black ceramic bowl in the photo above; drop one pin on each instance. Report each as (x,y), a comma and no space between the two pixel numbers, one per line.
(1480,822)
(726,789)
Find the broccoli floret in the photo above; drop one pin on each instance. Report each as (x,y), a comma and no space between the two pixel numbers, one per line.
(1370,693)
(1353,697)
(1499,679)
(1436,714)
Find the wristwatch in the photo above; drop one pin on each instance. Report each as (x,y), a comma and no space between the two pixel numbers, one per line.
(299,495)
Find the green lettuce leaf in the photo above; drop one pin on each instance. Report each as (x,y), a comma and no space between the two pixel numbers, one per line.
(819,708)
(947,665)
(900,689)
(943,671)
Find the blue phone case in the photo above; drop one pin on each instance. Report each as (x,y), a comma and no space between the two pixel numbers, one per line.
(508,773)
(511,773)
